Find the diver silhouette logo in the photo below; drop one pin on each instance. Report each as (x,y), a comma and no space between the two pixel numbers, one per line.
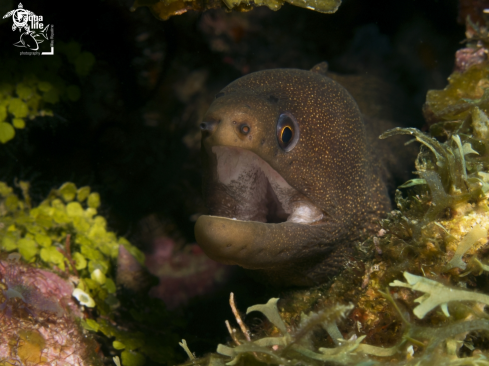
(31,27)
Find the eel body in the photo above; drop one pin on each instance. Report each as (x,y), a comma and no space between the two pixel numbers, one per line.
(293,175)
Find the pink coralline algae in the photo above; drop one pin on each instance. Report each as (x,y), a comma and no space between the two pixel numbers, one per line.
(467,57)
(37,319)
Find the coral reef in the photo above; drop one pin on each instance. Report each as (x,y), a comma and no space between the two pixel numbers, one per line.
(414,294)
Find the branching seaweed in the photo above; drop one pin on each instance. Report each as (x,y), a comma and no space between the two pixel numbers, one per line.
(436,294)
(476,234)
(291,348)
(293,345)
(451,170)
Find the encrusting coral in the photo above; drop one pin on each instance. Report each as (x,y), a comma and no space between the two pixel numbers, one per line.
(416,293)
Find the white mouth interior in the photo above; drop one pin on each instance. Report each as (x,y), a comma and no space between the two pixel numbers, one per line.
(259,193)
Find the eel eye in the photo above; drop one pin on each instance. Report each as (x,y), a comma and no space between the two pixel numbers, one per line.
(245,129)
(287,131)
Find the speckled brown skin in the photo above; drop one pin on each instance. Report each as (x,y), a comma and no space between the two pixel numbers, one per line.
(334,165)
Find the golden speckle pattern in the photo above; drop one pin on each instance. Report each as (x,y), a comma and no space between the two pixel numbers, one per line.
(332,165)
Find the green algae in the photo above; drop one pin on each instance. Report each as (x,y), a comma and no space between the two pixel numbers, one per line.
(463,92)
(66,235)
(436,294)
(468,86)
(476,234)
(31,88)
(59,230)
(31,344)
(293,347)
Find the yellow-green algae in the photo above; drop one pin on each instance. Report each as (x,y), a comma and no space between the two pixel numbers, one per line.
(164,9)
(30,88)
(467,87)
(65,234)
(415,294)
(463,92)
(31,344)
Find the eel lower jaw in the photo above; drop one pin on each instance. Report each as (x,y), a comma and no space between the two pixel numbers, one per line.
(252,244)
(257,219)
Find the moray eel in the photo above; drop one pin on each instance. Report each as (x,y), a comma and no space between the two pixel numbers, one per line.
(293,175)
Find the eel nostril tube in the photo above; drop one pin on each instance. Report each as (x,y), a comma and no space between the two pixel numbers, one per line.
(208,126)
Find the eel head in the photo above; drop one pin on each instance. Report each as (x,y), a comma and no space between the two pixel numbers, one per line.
(285,176)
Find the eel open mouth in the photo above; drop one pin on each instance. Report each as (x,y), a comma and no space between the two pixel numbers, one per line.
(257,220)
(245,187)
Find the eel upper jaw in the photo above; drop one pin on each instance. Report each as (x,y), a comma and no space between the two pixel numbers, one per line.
(251,207)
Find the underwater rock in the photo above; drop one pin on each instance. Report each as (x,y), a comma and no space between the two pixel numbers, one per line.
(132,274)
(40,289)
(164,9)
(37,319)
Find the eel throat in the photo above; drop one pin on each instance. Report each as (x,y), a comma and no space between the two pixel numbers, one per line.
(249,189)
